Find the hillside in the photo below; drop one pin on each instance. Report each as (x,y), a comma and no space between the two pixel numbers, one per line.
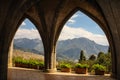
(65,49)
(29,45)
(27,55)
(72,47)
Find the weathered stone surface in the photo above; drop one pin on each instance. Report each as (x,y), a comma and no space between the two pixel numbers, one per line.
(49,18)
(31,74)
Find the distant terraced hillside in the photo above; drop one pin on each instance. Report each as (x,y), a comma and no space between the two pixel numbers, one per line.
(27,55)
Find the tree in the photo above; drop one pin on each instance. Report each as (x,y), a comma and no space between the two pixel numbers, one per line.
(100,54)
(92,57)
(108,62)
(82,56)
(104,59)
(101,59)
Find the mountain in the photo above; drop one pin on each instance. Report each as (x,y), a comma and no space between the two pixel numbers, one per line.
(72,47)
(30,45)
(69,49)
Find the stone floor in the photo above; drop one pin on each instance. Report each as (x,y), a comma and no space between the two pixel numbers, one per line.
(31,74)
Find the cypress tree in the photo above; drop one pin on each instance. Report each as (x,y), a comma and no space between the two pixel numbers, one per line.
(82,56)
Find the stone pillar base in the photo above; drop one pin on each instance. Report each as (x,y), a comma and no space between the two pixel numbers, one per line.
(10,64)
(50,70)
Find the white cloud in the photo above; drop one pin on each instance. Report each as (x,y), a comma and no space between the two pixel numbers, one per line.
(67,33)
(70,33)
(23,24)
(72,19)
(27,33)
(74,16)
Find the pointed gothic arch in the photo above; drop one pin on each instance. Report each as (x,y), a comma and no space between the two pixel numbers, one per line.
(10,55)
(103,25)
(104,12)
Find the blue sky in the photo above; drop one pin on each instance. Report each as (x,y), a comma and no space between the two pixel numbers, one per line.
(78,20)
(79,25)
(81,20)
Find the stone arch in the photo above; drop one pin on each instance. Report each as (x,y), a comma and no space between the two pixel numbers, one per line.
(103,25)
(105,12)
(11,47)
(12,14)
(35,23)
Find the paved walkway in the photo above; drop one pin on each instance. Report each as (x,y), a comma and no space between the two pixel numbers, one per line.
(30,74)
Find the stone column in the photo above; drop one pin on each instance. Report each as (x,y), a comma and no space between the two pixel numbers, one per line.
(49,57)
(10,55)
(54,60)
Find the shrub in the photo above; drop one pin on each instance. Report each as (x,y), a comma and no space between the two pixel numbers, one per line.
(78,65)
(17,59)
(30,62)
(65,65)
(33,62)
(41,63)
(99,67)
(20,60)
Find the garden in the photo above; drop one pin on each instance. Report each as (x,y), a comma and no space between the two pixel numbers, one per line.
(98,65)
(94,65)
(28,63)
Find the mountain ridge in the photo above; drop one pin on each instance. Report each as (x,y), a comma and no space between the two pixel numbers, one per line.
(65,48)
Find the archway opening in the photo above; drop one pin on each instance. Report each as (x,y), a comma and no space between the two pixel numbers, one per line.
(26,49)
(81,34)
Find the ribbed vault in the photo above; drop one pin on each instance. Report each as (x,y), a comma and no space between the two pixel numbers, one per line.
(49,18)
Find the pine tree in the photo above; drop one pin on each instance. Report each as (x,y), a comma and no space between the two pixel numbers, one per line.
(82,56)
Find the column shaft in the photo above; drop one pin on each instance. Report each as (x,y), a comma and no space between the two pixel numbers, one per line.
(10,55)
